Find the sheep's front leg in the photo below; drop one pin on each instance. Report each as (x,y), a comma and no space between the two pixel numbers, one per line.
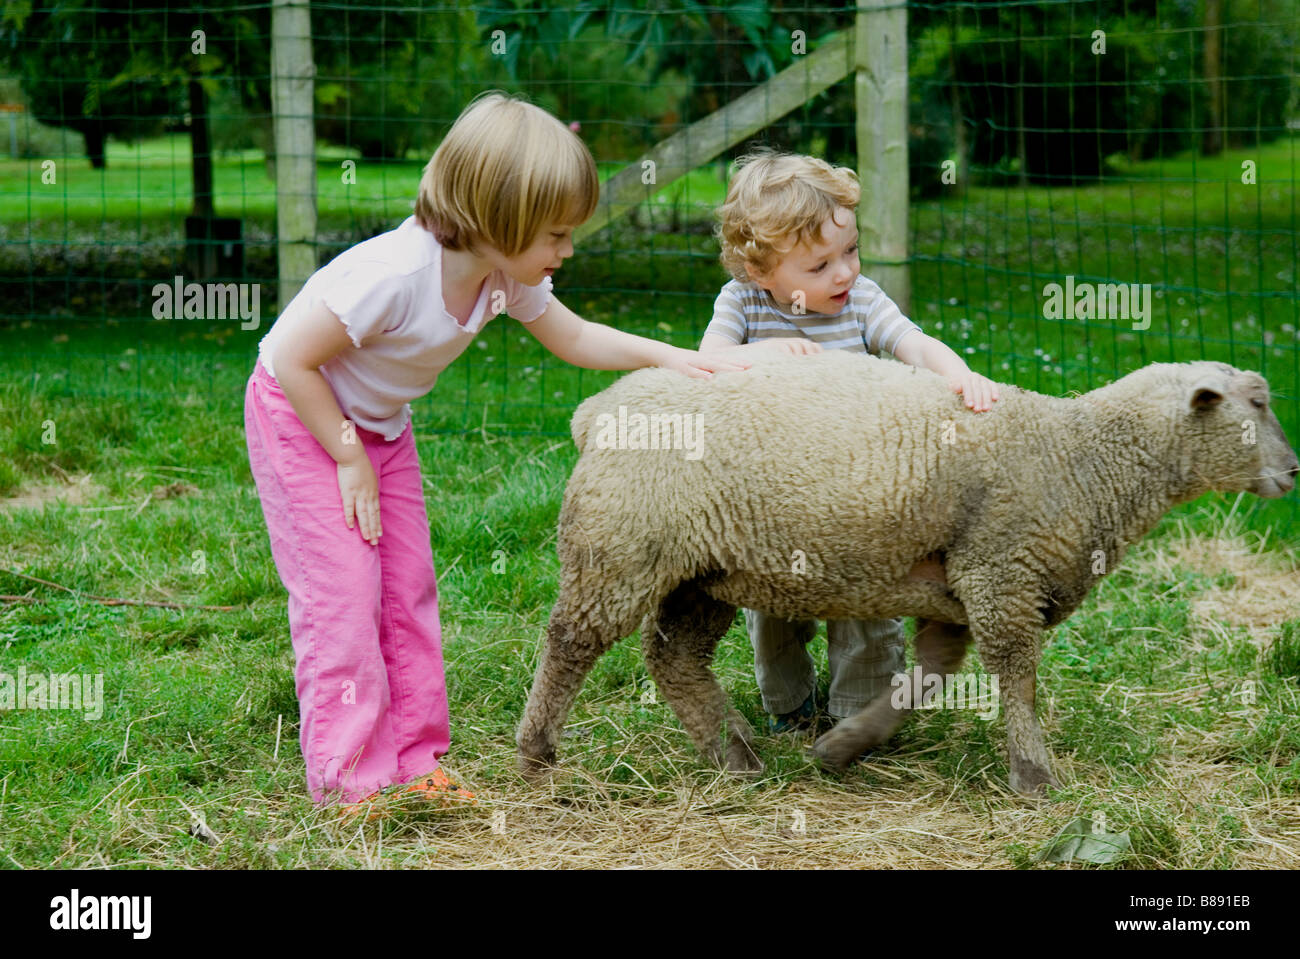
(1007,631)
(1031,762)
(940,648)
(678,641)
(566,659)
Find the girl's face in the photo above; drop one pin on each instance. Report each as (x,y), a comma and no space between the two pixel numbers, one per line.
(547,254)
(816,277)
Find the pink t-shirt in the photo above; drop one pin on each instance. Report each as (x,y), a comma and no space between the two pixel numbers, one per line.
(388,293)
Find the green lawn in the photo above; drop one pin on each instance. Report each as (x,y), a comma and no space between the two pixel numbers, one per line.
(150,182)
(1168,699)
(1221,257)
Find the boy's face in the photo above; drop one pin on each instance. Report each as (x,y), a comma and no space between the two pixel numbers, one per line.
(547,254)
(816,277)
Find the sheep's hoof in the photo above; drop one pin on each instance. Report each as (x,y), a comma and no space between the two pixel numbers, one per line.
(835,750)
(536,768)
(741,761)
(1030,778)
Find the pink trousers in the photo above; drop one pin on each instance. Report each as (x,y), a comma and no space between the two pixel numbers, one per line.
(363,619)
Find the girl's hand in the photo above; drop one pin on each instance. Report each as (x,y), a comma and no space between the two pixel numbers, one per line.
(794,345)
(359,488)
(979,392)
(702,365)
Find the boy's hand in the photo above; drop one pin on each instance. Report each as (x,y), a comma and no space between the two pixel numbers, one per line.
(979,392)
(359,488)
(703,365)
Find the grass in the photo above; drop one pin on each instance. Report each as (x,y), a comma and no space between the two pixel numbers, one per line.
(151,182)
(1168,698)
(1221,257)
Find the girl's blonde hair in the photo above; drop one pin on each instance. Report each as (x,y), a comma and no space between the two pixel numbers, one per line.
(775,202)
(505,171)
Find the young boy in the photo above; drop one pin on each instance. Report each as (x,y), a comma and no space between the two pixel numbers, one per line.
(789,238)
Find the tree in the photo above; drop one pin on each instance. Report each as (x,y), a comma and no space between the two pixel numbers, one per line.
(1212,73)
(106,72)
(188,50)
(71,62)
(721,50)
(391,79)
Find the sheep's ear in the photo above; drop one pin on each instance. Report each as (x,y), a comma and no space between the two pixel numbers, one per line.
(1206,395)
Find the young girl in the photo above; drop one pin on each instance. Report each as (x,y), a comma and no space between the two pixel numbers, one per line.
(330,441)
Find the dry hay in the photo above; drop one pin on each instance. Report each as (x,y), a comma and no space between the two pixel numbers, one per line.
(75,490)
(912,816)
(78,489)
(711,822)
(656,806)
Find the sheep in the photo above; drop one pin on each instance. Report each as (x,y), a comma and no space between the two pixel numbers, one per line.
(835,486)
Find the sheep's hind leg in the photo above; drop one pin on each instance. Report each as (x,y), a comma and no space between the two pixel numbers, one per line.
(678,640)
(940,648)
(566,659)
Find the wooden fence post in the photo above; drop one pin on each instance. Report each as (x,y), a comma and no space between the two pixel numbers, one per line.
(880,93)
(292,74)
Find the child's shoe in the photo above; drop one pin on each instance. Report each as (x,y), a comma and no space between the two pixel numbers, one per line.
(435,786)
(369,809)
(800,719)
(438,786)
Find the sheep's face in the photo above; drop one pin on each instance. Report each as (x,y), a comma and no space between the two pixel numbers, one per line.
(1242,446)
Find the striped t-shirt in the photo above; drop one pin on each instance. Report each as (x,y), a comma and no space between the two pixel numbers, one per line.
(868,323)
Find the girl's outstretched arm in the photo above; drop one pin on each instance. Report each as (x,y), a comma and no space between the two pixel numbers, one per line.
(794,345)
(594,346)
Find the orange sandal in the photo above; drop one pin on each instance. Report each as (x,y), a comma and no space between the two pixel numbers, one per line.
(434,786)
(437,785)
(369,809)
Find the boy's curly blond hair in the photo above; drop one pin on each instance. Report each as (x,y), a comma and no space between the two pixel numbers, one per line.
(504,172)
(776,201)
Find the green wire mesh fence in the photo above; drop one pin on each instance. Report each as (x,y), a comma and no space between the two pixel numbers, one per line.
(1093,185)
